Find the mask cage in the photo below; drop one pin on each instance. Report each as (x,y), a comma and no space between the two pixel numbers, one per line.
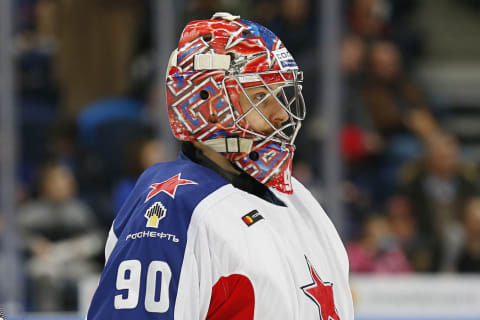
(286,89)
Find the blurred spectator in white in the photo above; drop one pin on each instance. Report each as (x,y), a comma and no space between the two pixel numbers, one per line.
(438,188)
(377,250)
(143,153)
(469,257)
(61,240)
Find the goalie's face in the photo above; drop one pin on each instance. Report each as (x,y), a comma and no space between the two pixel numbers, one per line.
(266,114)
(272,111)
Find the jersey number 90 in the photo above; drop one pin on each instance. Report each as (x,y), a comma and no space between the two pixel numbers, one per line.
(128,278)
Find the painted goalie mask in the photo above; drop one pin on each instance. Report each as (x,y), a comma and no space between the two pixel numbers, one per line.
(216,64)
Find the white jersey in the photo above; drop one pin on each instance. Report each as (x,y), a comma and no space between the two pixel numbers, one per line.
(189,245)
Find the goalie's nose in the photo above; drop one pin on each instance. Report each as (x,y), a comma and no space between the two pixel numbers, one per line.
(280,116)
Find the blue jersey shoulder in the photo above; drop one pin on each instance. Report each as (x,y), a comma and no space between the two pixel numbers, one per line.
(151,228)
(176,186)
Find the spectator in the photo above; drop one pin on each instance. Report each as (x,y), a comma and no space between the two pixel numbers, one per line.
(369,18)
(352,56)
(357,140)
(143,153)
(62,144)
(355,137)
(438,188)
(295,15)
(396,121)
(374,20)
(469,257)
(406,33)
(394,103)
(405,229)
(61,241)
(377,250)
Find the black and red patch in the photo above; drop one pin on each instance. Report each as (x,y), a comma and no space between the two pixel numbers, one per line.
(252,217)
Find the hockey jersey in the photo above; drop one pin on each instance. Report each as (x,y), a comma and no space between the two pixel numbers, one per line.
(187,244)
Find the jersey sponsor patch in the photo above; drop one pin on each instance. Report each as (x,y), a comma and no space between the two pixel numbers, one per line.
(152,234)
(285,59)
(252,217)
(168,186)
(154,214)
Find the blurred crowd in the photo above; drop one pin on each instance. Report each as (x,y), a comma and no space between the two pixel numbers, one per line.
(86,100)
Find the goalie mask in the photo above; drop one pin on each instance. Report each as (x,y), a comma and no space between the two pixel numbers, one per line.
(233,86)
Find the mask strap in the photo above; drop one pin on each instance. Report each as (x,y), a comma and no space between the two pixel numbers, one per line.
(230,145)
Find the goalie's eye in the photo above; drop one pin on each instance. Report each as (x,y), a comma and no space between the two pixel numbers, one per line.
(259,97)
(281,97)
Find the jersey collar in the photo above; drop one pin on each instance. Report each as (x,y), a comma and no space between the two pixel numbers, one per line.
(243,181)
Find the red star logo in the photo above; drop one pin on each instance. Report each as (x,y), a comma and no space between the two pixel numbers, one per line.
(168,186)
(322,294)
